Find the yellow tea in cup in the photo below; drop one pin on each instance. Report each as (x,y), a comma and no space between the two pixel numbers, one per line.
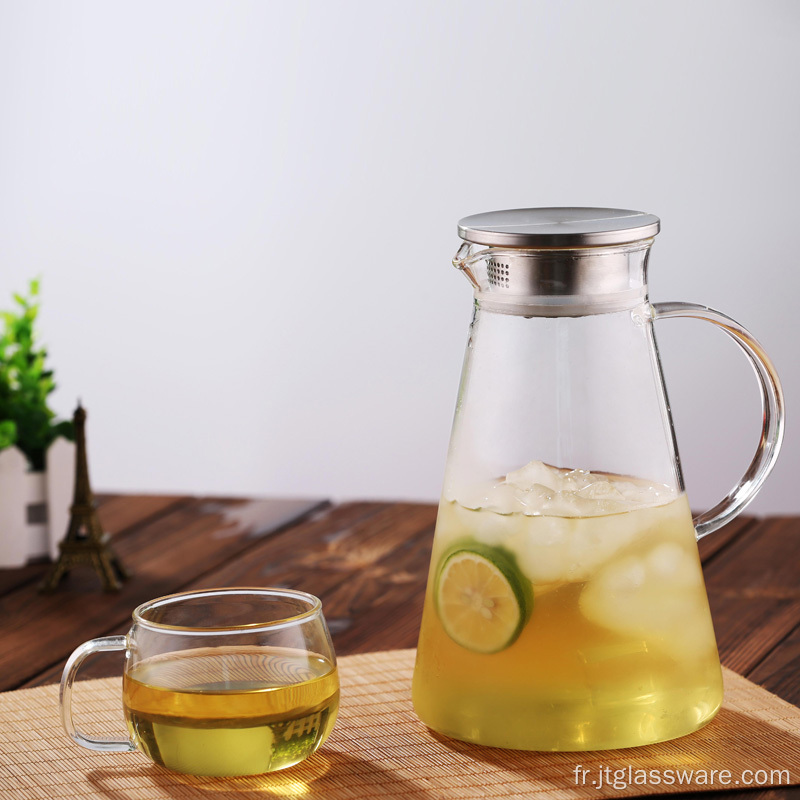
(231,711)
(221,682)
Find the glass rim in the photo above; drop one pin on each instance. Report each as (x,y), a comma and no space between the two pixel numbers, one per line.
(314,610)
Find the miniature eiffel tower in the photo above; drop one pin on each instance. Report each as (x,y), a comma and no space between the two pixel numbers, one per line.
(85,542)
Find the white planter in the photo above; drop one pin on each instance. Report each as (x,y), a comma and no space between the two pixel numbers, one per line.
(13,508)
(34,506)
(60,491)
(34,498)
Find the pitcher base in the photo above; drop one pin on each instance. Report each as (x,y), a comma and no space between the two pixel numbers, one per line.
(578,728)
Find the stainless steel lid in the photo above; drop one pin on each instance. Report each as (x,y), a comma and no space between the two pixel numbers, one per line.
(557,261)
(558,227)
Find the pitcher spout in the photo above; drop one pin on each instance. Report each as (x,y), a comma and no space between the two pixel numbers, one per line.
(556,282)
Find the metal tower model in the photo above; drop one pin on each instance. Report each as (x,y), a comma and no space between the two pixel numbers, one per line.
(85,542)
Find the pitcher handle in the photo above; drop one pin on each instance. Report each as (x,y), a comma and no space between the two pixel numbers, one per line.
(107,744)
(772,408)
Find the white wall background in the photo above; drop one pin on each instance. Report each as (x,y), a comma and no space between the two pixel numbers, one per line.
(243,214)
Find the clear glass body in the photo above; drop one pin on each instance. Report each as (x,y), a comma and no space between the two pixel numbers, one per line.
(225,682)
(565,607)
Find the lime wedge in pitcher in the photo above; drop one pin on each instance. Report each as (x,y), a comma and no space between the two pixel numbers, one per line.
(481,598)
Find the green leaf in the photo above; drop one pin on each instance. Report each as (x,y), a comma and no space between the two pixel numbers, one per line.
(26,382)
(8,433)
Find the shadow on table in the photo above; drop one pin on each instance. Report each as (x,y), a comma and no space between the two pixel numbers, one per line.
(324,775)
(732,741)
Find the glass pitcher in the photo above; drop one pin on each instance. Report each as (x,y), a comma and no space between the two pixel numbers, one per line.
(565,607)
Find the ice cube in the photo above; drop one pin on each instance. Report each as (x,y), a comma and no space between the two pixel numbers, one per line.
(576,479)
(504,499)
(539,488)
(628,577)
(533,473)
(570,548)
(651,597)
(535,500)
(543,551)
(486,526)
(561,524)
(545,489)
(567,504)
(672,562)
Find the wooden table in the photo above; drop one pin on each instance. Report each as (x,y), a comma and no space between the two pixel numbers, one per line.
(368,562)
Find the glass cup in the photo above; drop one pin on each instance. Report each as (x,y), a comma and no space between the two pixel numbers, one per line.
(221,682)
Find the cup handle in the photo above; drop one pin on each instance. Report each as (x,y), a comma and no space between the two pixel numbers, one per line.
(107,744)
(772,409)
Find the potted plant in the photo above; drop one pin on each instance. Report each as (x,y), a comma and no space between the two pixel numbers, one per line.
(28,431)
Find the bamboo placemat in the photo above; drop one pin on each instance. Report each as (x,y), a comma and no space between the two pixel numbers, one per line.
(379,749)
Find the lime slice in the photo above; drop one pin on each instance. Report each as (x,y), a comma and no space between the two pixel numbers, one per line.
(481,599)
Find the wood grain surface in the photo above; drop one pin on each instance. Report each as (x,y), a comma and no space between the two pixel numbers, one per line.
(368,562)
(165,551)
